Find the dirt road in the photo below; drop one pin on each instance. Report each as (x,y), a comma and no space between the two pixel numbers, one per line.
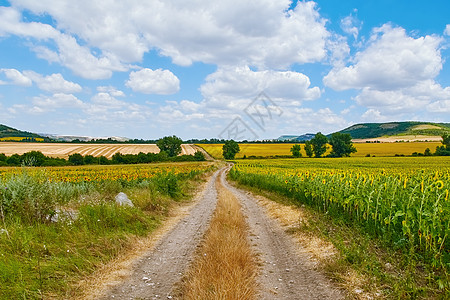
(284,274)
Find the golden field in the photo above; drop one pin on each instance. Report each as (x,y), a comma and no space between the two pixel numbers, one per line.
(377,149)
(62,150)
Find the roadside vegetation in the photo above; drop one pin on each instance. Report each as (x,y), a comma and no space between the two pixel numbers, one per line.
(401,205)
(56,228)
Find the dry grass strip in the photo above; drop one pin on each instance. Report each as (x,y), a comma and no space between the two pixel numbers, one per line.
(225,267)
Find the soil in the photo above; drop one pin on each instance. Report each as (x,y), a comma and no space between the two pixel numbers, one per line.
(285,272)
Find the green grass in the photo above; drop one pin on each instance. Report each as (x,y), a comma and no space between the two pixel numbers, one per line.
(44,259)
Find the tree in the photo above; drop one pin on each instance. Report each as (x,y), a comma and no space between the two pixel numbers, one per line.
(76,159)
(446,140)
(199,156)
(295,150)
(319,144)
(308,149)
(33,158)
(341,144)
(230,148)
(170,144)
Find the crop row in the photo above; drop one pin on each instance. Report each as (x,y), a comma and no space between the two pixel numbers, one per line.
(409,206)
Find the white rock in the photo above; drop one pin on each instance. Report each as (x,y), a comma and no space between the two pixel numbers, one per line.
(122,199)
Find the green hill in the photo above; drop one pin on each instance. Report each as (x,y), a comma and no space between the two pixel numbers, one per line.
(12,134)
(374,130)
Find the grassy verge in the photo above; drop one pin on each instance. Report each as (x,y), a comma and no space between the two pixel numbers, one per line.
(365,266)
(225,267)
(53,234)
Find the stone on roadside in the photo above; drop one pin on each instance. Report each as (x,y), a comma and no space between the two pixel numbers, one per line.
(122,199)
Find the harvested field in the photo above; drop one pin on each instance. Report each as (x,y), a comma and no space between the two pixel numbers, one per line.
(377,149)
(64,150)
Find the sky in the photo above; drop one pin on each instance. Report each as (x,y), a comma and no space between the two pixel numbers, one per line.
(234,69)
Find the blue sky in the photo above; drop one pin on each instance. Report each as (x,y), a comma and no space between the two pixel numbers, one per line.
(203,69)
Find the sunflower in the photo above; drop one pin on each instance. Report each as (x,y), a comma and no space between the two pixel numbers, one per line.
(439,184)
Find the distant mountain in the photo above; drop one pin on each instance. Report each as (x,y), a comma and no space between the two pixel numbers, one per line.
(375,130)
(9,133)
(69,138)
(296,138)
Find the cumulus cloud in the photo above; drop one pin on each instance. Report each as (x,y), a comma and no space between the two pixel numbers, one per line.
(15,77)
(58,100)
(147,81)
(262,33)
(54,83)
(69,53)
(392,60)
(243,83)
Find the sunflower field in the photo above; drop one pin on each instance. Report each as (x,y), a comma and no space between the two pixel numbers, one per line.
(404,201)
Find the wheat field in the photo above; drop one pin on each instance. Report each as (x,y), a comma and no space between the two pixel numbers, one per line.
(64,150)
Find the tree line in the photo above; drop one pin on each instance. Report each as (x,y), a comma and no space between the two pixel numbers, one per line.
(170,150)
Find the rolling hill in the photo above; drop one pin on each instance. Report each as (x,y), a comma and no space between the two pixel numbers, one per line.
(377,130)
(12,134)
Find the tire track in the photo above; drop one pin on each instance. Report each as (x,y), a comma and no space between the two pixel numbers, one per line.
(285,273)
(157,272)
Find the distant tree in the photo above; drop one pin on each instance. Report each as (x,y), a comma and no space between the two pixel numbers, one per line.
(199,156)
(117,158)
(341,144)
(230,149)
(14,160)
(3,157)
(446,140)
(102,160)
(444,150)
(76,159)
(308,149)
(427,152)
(295,150)
(89,160)
(319,144)
(33,158)
(170,144)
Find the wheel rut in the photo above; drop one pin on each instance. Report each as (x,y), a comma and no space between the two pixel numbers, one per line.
(284,272)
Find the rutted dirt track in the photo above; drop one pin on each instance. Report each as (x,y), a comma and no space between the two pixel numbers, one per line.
(284,274)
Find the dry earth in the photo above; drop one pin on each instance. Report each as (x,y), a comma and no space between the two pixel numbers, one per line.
(64,150)
(285,272)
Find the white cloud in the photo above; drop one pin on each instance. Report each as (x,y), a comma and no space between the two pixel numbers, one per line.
(243,83)
(147,81)
(111,90)
(424,96)
(441,106)
(70,54)
(351,26)
(392,60)
(54,83)
(261,33)
(15,77)
(58,100)
(447,30)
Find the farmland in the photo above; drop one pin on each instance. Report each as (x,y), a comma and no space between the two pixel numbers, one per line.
(377,149)
(402,201)
(58,225)
(62,150)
